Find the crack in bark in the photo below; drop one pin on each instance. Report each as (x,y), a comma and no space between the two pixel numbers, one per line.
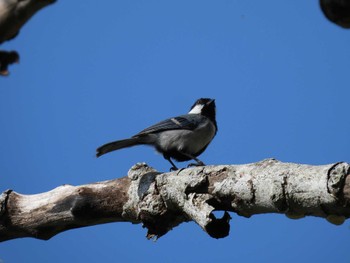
(3,201)
(336,179)
(252,190)
(285,197)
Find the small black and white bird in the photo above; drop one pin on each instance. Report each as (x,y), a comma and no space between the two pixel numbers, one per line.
(181,138)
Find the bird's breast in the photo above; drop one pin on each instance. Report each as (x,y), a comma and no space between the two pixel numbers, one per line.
(187,141)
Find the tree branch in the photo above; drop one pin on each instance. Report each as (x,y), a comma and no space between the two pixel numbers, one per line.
(337,11)
(13,15)
(161,201)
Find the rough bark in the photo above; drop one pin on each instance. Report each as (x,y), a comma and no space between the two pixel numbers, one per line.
(161,201)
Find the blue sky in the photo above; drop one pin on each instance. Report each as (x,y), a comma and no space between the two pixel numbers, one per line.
(91,73)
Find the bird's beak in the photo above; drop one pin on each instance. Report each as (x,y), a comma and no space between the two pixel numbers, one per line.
(211,101)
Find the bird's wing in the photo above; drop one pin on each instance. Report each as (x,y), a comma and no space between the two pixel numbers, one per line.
(184,122)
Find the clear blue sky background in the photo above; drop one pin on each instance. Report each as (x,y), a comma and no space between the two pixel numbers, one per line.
(92,72)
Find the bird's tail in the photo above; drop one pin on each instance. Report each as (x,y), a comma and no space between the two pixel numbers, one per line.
(112,146)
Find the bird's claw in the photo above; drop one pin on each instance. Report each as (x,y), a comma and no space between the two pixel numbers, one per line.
(180,170)
(173,168)
(196,164)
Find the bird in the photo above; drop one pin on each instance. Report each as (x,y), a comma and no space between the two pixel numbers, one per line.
(181,138)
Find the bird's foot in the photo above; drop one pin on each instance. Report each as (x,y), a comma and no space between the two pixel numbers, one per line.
(173,168)
(179,171)
(200,163)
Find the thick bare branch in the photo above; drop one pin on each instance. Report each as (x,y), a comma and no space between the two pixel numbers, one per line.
(161,201)
(15,13)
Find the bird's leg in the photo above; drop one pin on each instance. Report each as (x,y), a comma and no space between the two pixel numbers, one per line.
(173,168)
(179,171)
(199,162)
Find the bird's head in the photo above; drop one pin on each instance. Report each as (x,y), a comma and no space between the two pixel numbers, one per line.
(204,106)
(201,105)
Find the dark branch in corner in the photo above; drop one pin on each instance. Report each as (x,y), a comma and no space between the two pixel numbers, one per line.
(7,58)
(337,11)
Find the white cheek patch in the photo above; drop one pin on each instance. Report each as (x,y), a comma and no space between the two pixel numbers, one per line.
(196,109)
